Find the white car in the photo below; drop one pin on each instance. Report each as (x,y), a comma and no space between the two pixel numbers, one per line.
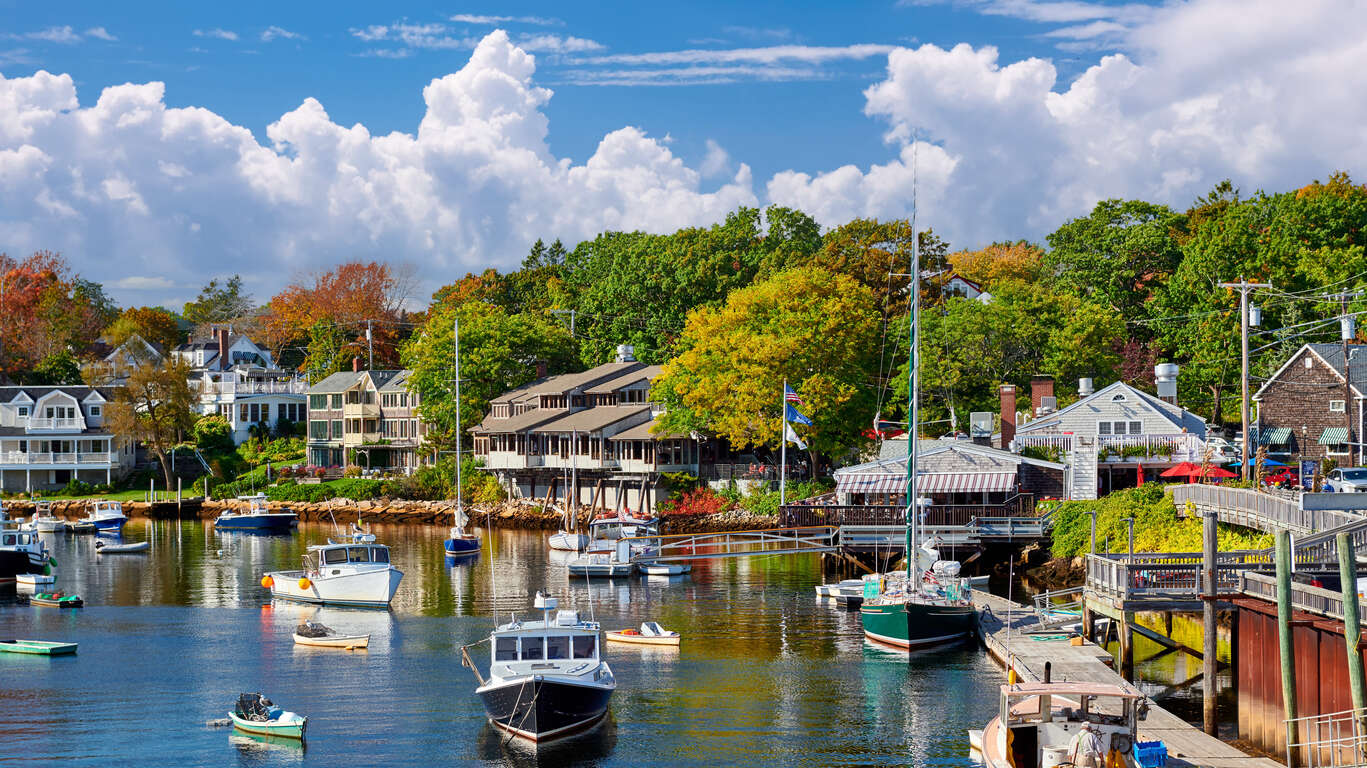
(1221,450)
(1351,480)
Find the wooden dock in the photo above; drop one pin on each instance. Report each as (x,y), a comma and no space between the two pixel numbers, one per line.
(1005,626)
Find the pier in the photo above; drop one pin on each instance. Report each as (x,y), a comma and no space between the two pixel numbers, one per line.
(1006,630)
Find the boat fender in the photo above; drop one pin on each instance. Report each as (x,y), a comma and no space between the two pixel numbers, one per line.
(267,581)
(1011,677)
(304,582)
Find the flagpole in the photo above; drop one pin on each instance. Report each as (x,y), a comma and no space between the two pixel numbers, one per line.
(783,450)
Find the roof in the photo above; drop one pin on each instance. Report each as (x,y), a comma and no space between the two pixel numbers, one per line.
(950,455)
(1180,417)
(21,431)
(1079,689)
(78,391)
(647,373)
(1332,356)
(344,380)
(643,432)
(520,393)
(593,419)
(398,383)
(590,378)
(520,422)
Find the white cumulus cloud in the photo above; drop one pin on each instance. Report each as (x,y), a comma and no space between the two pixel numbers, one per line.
(279,33)
(221,34)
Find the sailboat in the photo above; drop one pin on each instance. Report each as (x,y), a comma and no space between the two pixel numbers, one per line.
(458,541)
(931,606)
(568,538)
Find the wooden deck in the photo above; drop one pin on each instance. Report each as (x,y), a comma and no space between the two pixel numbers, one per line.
(1004,625)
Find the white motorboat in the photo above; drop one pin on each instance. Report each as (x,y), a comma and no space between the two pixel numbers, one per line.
(830,590)
(44,521)
(546,679)
(339,573)
(650,633)
(35,579)
(664,569)
(106,548)
(1040,725)
(20,551)
(601,565)
(606,532)
(105,515)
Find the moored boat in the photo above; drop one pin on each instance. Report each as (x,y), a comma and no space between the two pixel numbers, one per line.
(339,573)
(830,590)
(43,521)
(255,713)
(600,565)
(650,633)
(565,541)
(21,551)
(546,678)
(255,515)
(664,569)
(132,547)
(56,600)
(1041,725)
(35,579)
(319,636)
(105,516)
(80,526)
(37,647)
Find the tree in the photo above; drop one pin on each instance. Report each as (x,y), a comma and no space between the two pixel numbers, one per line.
(814,328)
(347,296)
(57,368)
(498,352)
(45,310)
(219,303)
(154,324)
(330,349)
(988,266)
(155,408)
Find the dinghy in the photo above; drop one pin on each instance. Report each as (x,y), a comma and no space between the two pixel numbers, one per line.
(255,713)
(650,633)
(37,647)
(320,636)
(106,548)
(35,579)
(56,600)
(664,569)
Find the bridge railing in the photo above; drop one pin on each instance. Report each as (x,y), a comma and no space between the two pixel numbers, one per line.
(694,546)
(1329,740)
(1172,576)
(1018,506)
(1304,597)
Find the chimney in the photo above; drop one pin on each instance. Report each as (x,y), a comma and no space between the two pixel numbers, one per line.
(222,334)
(355,365)
(1040,388)
(1165,375)
(542,369)
(1008,408)
(626,353)
(1084,387)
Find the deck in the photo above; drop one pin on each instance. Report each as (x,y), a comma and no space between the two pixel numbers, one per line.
(1004,625)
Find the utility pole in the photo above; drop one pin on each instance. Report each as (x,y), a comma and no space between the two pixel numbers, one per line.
(1245,463)
(569,312)
(370,346)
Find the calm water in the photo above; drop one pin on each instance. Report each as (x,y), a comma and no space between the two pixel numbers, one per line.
(766,674)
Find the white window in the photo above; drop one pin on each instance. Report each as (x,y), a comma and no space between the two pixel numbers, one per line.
(1336,406)
(1339,449)
(1308,362)
(23,411)
(1107,428)
(94,410)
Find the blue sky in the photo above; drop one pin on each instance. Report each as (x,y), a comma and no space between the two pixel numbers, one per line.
(227,134)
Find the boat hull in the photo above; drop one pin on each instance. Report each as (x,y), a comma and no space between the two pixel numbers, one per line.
(461,545)
(14,562)
(917,625)
(569,542)
(276,522)
(108,524)
(123,549)
(664,569)
(37,647)
(53,525)
(372,589)
(638,639)
(49,602)
(538,709)
(334,641)
(291,730)
(602,570)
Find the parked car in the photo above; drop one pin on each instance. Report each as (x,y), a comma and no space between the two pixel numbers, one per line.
(1221,450)
(1347,480)
(1289,477)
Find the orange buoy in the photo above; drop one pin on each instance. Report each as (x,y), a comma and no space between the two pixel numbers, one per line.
(267,581)
(304,582)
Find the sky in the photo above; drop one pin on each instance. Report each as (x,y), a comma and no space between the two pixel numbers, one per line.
(159,145)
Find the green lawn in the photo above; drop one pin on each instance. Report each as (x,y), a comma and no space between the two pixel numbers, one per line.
(131,495)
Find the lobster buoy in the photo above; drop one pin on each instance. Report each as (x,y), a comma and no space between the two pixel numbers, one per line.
(304,582)
(267,581)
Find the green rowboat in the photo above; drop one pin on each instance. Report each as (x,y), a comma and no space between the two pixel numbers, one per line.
(37,647)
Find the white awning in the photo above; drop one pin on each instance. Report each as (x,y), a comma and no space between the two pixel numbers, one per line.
(938,482)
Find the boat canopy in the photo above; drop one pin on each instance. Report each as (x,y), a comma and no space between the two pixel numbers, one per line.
(1075,689)
(336,554)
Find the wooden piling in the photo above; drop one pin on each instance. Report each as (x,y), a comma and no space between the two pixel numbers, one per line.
(1127,646)
(1352,629)
(1288,658)
(1209,568)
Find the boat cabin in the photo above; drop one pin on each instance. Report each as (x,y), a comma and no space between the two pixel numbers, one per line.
(104,508)
(336,555)
(256,505)
(1043,720)
(614,528)
(559,642)
(15,538)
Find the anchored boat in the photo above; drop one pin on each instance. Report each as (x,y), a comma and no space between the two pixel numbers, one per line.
(56,600)
(346,573)
(106,548)
(105,516)
(255,713)
(44,521)
(458,542)
(21,551)
(257,516)
(601,565)
(37,647)
(546,679)
(320,636)
(650,633)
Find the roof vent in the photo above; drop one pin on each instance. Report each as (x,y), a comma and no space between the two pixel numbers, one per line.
(626,353)
(1165,375)
(1084,387)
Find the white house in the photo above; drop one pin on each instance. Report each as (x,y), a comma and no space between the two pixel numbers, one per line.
(238,380)
(51,435)
(1108,437)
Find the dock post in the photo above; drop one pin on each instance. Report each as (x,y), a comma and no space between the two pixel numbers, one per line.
(1352,628)
(1088,620)
(1127,645)
(1209,668)
(1288,658)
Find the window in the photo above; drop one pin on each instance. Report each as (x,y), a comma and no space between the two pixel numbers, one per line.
(379,555)
(585,646)
(1336,406)
(23,411)
(337,429)
(558,647)
(256,413)
(359,555)
(1105,428)
(318,402)
(1338,449)
(242,410)
(1308,362)
(336,402)
(531,648)
(94,410)
(334,556)
(318,430)
(505,649)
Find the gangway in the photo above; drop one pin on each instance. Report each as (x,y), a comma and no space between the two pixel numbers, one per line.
(703,546)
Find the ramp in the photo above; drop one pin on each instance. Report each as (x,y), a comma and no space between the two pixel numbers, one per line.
(705,546)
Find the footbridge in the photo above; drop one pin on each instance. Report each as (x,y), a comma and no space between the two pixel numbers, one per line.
(707,546)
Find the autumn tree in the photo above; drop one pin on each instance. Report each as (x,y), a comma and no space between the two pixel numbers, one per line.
(155,408)
(46,310)
(498,352)
(988,266)
(346,296)
(816,329)
(154,324)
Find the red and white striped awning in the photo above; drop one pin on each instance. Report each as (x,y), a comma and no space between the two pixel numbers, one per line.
(935,482)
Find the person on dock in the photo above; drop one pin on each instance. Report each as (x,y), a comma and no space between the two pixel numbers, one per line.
(1086,747)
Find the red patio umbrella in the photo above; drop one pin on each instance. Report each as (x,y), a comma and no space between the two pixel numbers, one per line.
(1185,469)
(1140,476)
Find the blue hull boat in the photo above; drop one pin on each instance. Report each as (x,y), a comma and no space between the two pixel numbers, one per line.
(110,526)
(278,522)
(461,545)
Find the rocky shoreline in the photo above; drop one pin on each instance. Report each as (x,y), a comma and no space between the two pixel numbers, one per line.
(515,515)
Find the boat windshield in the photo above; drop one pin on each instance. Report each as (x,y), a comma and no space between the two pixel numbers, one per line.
(379,554)
(585,646)
(334,555)
(532,648)
(505,649)
(558,647)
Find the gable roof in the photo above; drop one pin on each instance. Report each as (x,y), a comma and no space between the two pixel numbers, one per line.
(344,380)
(32,394)
(1331,356)
(1180,417)
(647,374)
(949,453)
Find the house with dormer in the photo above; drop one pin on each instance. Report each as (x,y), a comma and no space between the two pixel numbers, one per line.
(1113,438)
(238,380)
(52,435)
(1312,407)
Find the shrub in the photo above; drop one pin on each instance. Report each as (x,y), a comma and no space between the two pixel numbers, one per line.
(76,487)
(213,434)
(1157,527)
(352,470)
(699,501)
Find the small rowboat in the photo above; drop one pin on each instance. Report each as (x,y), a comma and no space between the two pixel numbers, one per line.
(35,579)
(37,647)
(105,548)
(56,600)
(255,713)
(650,633)
(319,636)
(663,569)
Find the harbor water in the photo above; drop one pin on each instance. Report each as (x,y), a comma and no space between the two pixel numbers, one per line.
(766,675)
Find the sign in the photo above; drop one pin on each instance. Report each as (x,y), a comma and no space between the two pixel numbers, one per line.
(1308,469)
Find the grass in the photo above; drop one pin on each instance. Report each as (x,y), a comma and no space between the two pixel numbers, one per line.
(130,495)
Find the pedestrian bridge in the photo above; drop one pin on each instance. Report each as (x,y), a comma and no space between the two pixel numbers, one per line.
(704,546)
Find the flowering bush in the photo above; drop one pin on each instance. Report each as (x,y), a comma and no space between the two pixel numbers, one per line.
(699,501)
(320,472)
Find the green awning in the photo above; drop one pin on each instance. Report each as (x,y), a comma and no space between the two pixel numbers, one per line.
(1275,436)
(1334,436)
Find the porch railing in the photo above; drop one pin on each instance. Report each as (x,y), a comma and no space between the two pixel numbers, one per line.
(801,514)
(1160,447)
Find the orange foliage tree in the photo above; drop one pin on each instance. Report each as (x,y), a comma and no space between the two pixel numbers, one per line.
(345,297)
(46,310)
(998,262)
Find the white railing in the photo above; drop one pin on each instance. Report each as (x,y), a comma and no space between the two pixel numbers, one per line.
(47,457)
(1330,740)
(1062,442)
(1172,447)
(46,423)
(290,387)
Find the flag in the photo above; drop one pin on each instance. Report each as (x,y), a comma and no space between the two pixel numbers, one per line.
(789,396)
(797,418)
(793,438)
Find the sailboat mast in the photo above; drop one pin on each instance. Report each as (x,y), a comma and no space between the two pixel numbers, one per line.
(913,400)
(460,506)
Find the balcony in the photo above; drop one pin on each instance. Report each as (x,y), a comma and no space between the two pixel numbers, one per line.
(93,458)
(37,424)
(290,387)
(1172,448)
(351,439)
(361,411)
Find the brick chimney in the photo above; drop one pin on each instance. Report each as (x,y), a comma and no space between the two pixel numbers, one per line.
(1008,406)
(222,334)
(1040,388)
(542,369)
(355,365)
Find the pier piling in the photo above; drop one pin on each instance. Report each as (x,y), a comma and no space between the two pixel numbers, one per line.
(1208,665)
(1352,629)
(1288,658)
